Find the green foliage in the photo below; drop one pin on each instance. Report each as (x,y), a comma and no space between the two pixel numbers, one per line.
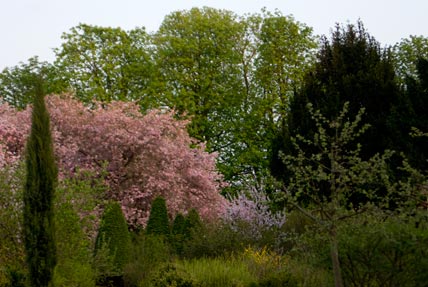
(15,276)
(73,273)
(149,254)
(106,64)
(384,253)
(215,239)
(350,68)
(158,223)
(322,184)
(12,250)
(213,272)
(375,250)
(74,250)
(113,235)
(75,201)
(186,232)
(17,83)
(170,276)
(278,279)
(416,117)
(304,273)
(41,180)
(177,233)
(192,48)
(280,67)
(263,262)
(192,223)
(406,55)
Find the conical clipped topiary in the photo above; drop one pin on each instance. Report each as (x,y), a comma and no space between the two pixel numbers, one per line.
(177,239)
(178,224)
(41,179)
(113,235)
(158,223)
(192,222)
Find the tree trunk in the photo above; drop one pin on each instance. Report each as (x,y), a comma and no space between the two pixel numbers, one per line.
(335,258)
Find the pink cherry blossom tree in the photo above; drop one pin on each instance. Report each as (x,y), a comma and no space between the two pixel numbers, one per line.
(143,155)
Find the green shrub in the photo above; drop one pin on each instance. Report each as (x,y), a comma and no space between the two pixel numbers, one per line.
(14,276)
(192,222)
(12,251)
(217,272)
(278,279)
(308,261)
(158,223)
(73,273)
(213,240)
(149,253)
(389,253)
(169,276)
(113,235)
(177,236)
(305,274)
(73,250)
(75,200)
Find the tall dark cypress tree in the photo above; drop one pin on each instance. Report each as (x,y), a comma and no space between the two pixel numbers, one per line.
(41,179)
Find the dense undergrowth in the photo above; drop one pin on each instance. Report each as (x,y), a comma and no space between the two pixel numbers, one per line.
(377,249)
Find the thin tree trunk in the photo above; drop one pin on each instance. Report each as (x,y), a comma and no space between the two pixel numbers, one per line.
(338,282)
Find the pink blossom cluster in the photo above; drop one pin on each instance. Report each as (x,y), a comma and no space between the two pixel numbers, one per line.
(14,128)
(144,155)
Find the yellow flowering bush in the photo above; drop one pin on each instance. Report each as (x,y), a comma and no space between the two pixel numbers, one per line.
(262,262)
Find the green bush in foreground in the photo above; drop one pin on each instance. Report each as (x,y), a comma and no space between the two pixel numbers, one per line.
(169,276)
(389,253)
(218,272)
(149,253)
(113,238)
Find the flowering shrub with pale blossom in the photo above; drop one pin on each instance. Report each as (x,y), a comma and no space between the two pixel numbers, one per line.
(250,214)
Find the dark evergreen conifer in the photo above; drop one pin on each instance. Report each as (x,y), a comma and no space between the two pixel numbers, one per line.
(417,117)
(177,239)
(191,223)
(113,235)
(158,223)
(350,68)
(41,179)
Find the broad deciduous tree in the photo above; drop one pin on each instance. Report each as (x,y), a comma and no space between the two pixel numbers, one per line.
(199,66)
(17,83)
(105,64)
(406,55)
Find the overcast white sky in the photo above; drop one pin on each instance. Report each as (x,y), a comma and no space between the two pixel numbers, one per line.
(34,27)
